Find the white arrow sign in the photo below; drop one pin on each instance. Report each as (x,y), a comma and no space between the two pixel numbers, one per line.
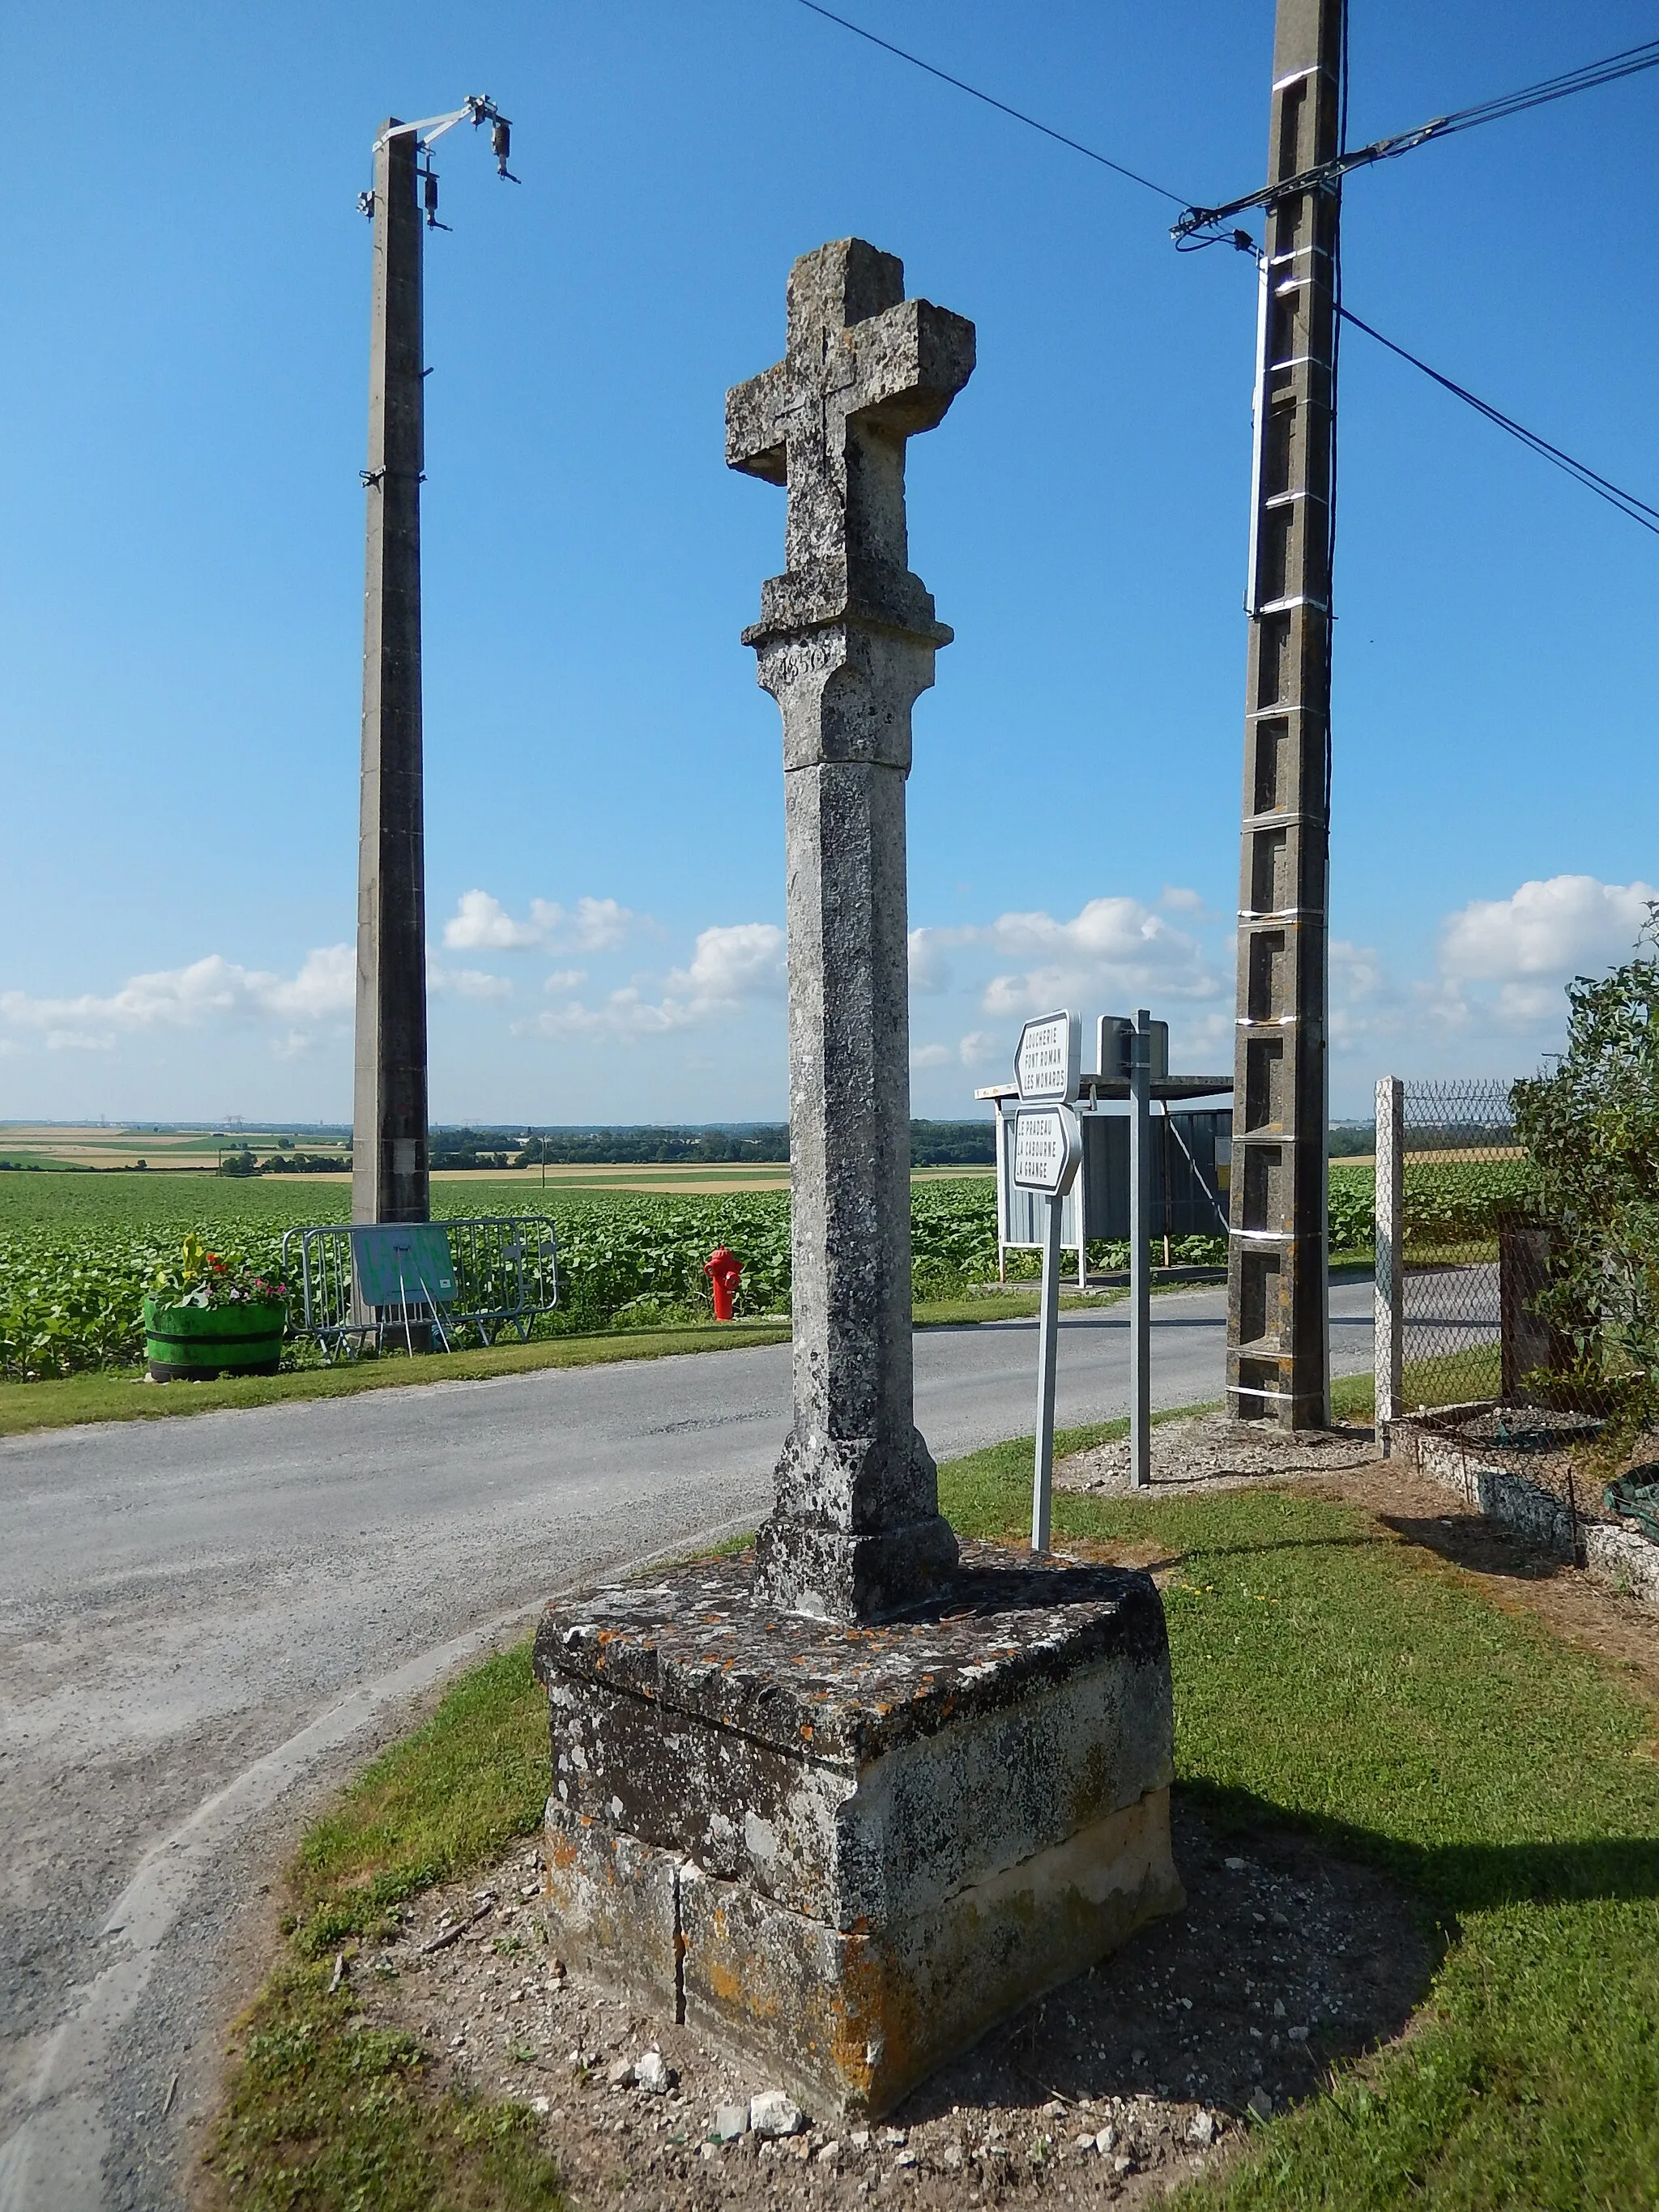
(1049,1061)
(1048,1146)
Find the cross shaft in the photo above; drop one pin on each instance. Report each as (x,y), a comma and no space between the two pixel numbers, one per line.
(845,644)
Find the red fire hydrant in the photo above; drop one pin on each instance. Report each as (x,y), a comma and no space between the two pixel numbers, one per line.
(725,1272)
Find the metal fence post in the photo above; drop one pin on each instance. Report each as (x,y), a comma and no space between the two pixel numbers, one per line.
(1389,1327)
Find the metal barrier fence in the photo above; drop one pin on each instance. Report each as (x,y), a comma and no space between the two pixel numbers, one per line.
(503,1273)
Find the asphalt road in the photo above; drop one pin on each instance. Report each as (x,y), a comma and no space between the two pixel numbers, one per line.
(206,1623)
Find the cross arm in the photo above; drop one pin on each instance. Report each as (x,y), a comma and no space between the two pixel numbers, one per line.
(755,424)
(912,360)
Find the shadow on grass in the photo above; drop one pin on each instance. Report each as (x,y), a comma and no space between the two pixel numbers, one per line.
(1465,1540)
(1452,1878)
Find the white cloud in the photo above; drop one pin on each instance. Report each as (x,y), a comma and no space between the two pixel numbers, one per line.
(598,925)
(1562,926)
(1112,944)
(566,979)
(466,982)
(213,989)
(932,1055)
(978,1049)
(1179,900)
(326,987)
(930,971)
(480,923)
(746,961)
(730,967)
(1498,999)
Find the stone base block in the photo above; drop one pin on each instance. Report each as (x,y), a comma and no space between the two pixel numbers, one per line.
(847,1851)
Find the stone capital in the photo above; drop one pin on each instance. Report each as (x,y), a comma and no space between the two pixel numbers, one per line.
(845,691)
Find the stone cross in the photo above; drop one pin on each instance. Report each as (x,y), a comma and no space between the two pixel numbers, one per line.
(845,644)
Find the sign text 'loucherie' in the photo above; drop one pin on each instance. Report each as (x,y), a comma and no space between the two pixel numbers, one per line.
(1047,1063)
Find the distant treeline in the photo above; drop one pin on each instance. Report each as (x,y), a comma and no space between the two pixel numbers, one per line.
(932,1144)
(621,1147)
(1352,1141)
(285,1162)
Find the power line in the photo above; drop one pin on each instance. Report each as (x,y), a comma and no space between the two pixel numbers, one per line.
(1634,58)
(1329,174)
(1625,501)
(1001,106)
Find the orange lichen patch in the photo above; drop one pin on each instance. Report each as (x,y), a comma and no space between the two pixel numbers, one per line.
(561,1853)
(806,1730)
(874,2008)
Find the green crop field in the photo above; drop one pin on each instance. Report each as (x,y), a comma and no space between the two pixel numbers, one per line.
(77,1251)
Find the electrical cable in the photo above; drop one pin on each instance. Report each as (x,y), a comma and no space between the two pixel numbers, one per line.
(1626,501)
(1001,106)
(1627,63)
(1632,60)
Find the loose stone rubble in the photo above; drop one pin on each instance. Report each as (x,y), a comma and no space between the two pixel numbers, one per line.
(1133,2076)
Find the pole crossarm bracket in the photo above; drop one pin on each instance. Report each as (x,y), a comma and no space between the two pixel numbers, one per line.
(478,110)
(1324,176)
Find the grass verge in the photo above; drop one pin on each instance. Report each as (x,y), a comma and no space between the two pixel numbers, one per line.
(1330,1676)
(318,2116)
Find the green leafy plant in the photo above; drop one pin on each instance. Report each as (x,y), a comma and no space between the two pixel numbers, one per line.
(1591,1131)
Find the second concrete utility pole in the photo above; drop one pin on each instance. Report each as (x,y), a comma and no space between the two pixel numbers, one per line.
(1277,1335)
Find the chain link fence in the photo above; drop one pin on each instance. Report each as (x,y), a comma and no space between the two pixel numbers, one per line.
(1463,1259)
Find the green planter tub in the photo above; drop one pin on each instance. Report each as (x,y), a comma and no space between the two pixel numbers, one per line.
(192,1344)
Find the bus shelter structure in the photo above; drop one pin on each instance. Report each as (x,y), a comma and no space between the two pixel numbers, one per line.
(1191,1160)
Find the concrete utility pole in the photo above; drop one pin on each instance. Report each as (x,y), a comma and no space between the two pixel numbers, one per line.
(389,1176)
(1277,1335)
(389,1179)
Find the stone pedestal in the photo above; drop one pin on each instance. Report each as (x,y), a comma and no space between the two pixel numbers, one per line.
(847,1850)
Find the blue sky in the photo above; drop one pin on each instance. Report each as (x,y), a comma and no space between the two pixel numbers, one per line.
(182,381)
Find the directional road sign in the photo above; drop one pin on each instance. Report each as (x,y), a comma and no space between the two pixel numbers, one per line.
(1048,1146)
(1048,1063)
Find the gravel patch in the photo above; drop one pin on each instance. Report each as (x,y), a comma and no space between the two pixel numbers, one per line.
(1124,2082)
(1208,1451)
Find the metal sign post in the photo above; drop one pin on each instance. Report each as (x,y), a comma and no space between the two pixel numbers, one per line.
(1048,1149)
(1140,1226)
